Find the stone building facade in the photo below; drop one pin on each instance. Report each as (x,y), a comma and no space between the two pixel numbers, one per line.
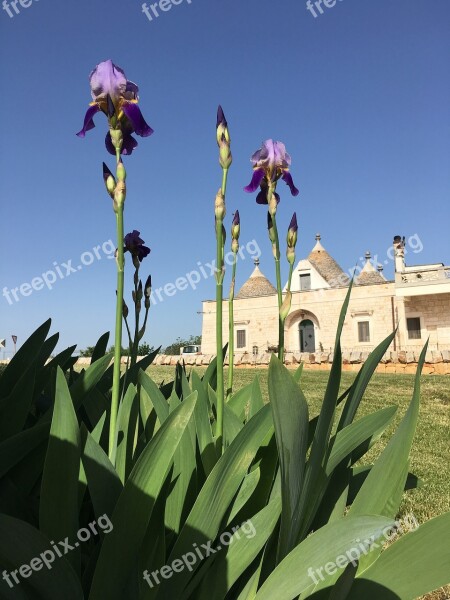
(416,302)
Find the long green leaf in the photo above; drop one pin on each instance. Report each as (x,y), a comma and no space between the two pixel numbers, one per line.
(205,518)
(233,559)
(303,568)
(358,432)
(15,408)
(203,426)
(315,469)
(414,565)
(361,381)
(58,507)
(21,361)
(20,544)
(100,347)
(120,549)
(126,430)
(182,494)
(103,481)
(16,448)
(155,395)
(290,417)
(378,493)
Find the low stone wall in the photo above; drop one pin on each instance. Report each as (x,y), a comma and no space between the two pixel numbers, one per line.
(436,362)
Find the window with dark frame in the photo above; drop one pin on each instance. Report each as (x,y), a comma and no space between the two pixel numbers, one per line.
(240,338)
(363,331)
(413,327)
(305,282)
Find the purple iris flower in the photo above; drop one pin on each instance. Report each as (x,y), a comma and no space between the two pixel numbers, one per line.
(135,245)
(270,163)
(110,90)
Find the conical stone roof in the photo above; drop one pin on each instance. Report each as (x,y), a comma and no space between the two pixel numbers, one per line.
(326,266)
(256,285)
(369,275)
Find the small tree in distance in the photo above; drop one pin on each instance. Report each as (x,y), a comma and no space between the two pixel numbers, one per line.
(174,348)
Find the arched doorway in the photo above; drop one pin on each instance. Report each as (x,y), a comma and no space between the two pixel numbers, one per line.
(307,336)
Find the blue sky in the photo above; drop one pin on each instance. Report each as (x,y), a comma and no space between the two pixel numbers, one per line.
(359,95)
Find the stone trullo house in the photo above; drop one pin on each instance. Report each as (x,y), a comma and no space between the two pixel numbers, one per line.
(417,301)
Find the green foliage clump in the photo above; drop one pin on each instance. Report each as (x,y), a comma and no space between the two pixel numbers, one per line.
(174,348)
(307,513)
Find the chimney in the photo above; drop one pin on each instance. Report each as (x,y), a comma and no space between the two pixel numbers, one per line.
(399,254)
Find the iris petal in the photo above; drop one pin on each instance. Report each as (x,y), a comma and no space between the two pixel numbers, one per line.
(258,176)
(129,144)
(261,198)
(142,252)
(132,89)
(109,145)
(287,178)
(108,78)
(133,113)
(88,120)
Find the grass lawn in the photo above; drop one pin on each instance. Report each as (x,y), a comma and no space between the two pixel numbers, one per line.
(430,456)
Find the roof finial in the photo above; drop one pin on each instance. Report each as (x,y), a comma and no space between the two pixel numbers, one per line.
(368,256)
(380,268)
(318,237)
(256,261)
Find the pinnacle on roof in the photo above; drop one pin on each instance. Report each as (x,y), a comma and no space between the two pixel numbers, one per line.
(369,275)
(256,285)
(326,266)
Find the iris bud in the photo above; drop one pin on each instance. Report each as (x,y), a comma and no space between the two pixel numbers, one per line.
(223,140)
(236,226)
(121,173)
(110,182)
(148,287)
(120,194)
(140,292)
(286,306)
(219,207)
(291,238)
(270,228)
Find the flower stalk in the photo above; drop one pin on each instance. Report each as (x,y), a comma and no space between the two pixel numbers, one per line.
(225,160)
(271,163)
(119,200)
(272,202)
(291,240)
(117,98)
(235,231)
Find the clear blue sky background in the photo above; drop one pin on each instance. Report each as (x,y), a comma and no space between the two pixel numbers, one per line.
(360,96)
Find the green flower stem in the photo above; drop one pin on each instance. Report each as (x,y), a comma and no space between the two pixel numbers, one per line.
(130,341)
(283,320)
(231,330)
(278,276)
(291,270)
(219,311)
(118,333)
(136,319)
